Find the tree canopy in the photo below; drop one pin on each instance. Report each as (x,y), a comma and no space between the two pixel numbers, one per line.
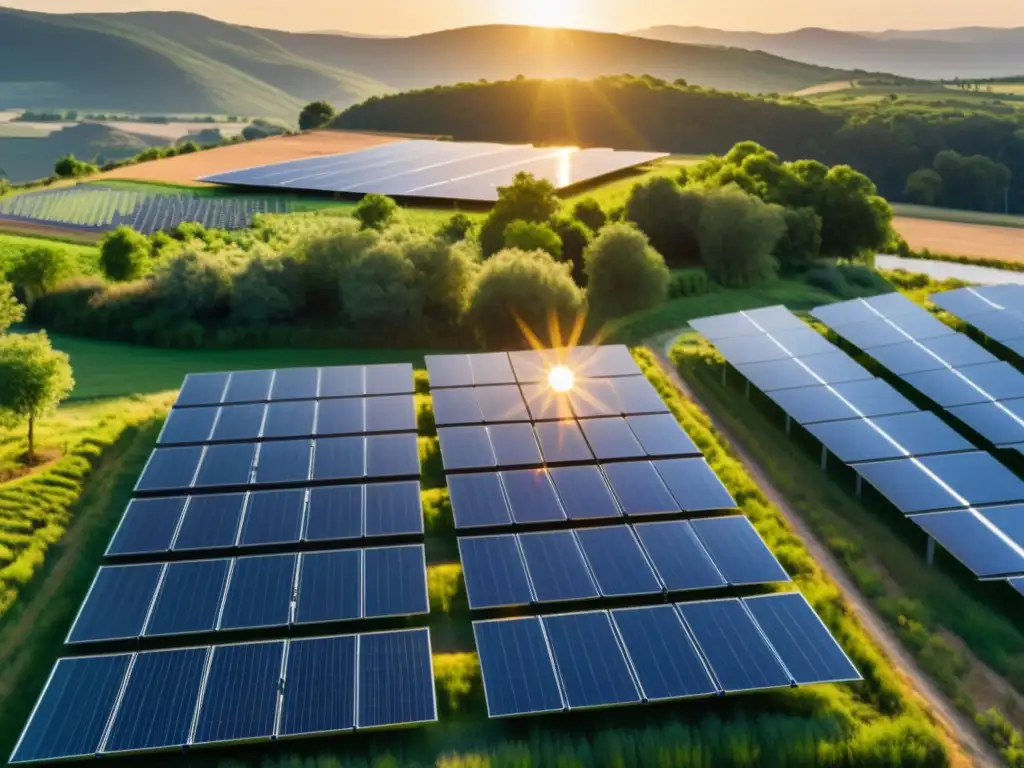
(525,199)
(124,254)
(316,114)
(624,273)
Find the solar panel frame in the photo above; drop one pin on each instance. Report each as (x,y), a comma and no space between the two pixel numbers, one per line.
(316,689)
(514,445)
(192,534)
(557,568)
(967,537)
(466,448)
(392,509)
(295,384)
(617,562)
(978,477)
(193,604)
(226,466)
(494,566)
(421,637)
(562,442)
(584,493)
(532,497)
(639,489)
(120,593)
(678,556)
(539,674)
(334,501)
(185,464)
(478,501)
(682,476)
(661,435)
(202,389)
(188,426)
(328,570)
(166,510)
(284,462)
(738,551)
(885,477)
(382,600)
(252,602)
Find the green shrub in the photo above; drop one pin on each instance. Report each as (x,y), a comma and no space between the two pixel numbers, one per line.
(624,273)
(70,167)
(669,215)
(590,213)
(379,289)
(828,279)
(689,282)
(124,255)
(530,236)
(575,239)
(737,234)
(525,199)
(458,227)
(39,270)
(375,211)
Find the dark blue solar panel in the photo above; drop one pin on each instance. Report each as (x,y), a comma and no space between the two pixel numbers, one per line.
(189,599)
(635,394)
(857,440)
(609,360)
(663,655)
(392,456)
(661,435)
(531,496)
(159,701)
(968,537)
(117,604)
(594,397)
(169,469)
(778,374)
(295,384)
(771,319)
(494,572)
(584,493)
(694,485)
(339,458)
(148,526)
(740,658)
(1002,325)
(726,326)
(343,381)
(396,413)
(921,325)
(455,406)
(617,562)
(396,679)
(334,513)
(639,488)
(534,364)
(449,371)
(226,465)
(946,387)
(978,477)
(272,517)
(187,425)
(738,551)
(907,486)
(287,461)
(519,676)
(752,348)
(1017,584)
(873,397)
(320,686)
(996,422)
(544,404)
(804,644)
(72,712)
(491,368)
(260,592)
(844,313)
(909,357)
(290,419)
(836,368)
(590,661)
(961,302)
(803,342)
(239,422)
(1009,520)
(393,509)
(340,417)
(478,500)
(241,692)
(514,445)
(394,581)
(876,332)
(466,448)
(330,587)
(556,566)
(202,389)
(959,351)
(210,522)
(923,433)
(248,387)
(391,379)
(562,442)
(611,438)
(679,557)
(809,405)
(501,403)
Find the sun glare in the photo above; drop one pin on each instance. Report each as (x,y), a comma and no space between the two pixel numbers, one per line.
(552,13)
(561,379)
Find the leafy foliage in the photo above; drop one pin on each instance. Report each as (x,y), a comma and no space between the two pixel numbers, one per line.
(525,199)
(34,379)
(590,213)
(124,255)
(624,274)
(457,228)
(379,289)
(738,234)
(316,114)
(39,270)
(11,311)
(668,215)
(70,167)
(530,236)
(376,211)
(575,238)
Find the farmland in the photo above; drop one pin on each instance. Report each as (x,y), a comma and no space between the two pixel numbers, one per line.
(962,239)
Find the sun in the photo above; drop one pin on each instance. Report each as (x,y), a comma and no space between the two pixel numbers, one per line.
(552,13)
(561,378)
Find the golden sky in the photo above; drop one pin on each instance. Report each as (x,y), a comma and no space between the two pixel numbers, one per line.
(413,16)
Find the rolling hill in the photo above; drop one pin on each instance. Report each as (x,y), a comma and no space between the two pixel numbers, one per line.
(969,52)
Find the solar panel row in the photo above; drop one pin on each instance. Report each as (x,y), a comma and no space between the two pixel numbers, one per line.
(995,310)
(592,492)
(615,561)
(127,602)
(436,170)
(279,463)
(529,366)
(182,524)
(163,700)
(633,655)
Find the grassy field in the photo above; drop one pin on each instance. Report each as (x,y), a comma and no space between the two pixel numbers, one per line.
(13,246)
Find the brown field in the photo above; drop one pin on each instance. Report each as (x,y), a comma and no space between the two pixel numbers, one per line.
(187,168)
(958,239)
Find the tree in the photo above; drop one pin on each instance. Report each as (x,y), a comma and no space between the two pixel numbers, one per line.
(738,233)
(624,273)
(457,228)
(854,219)
(800,244)
(590,212)
(575,239)
(315,115)
(975,182)
(375,211)
(924,186)
(11,311)
(70,167)
(445,273)
(39,270)
(379,290)
(528,236)
(263,293)
(124,255)
(518,293)
(527,199)
(34,380)
(668,215)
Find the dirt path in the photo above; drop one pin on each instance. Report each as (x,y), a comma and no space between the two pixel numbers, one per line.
(956,724)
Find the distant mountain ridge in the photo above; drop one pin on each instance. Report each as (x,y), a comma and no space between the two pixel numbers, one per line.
(966,52)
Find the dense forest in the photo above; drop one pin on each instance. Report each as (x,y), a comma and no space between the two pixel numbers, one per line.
(939,156)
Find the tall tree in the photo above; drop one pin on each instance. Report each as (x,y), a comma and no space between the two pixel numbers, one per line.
(316,115)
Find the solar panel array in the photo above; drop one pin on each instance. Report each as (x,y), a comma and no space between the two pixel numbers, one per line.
(250,692)
(436,169)
(175,585)
(607,455)
(995,310)
(658,653)
(916,461)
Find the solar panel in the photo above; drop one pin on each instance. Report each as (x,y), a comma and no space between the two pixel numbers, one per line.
(977,477)
(320,686)
(202,389)
(594,397)
(491,368)
(590,662)
(739,552)
(962,302)
(478,501)
(1008,519)
(531,496)
(639,489)
(395,413)
(391,379)
(330,587)
(226,466)
(665,659)
(679,557)
(147,527)
(187,425)
(449,371)
(635,395)
(494,572)
(611,438)
(455,407)
(517,669)
(584,493)
(833,368)
(392,456)
(339,458)
(272,517)
(117,604)
(501,403)
(240,696)
(343,381)
(285,462)
(752,348)
(345,416)
(393,509)
(466,448)
(514,445)
(295,384)
(1017,584)
(601,361)
(891,437)
(544,404)
(801,640)
(907,486)
(396,679)
(72,713)
(562,442)
(239,422)
(248,387)
(694,485)
(999,423)
(189,598)
(737,652)
(169,469)
(292,419)
(394,581)
(661,435)
(801,341)
(259,592)
(966,536)
(210,522)
(334,513)
(617,562)
(557,568)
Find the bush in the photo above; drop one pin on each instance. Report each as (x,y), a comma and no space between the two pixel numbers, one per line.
(800,244)
(37,271)
(70,167)
(830,280)
(738,233)
(124,255)
(689,282)
(529,236)
(264,292)
(316,115)
(589,212)
(865,278)
(375,211)
(379,289)
(526,199)
(445,274)
(669,215)
(518,293)
(624,273)
(457,228)
(575,239)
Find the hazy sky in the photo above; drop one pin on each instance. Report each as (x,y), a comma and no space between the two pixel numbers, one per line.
(412,16)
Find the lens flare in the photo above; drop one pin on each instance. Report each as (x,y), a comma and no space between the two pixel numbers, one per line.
(561,378)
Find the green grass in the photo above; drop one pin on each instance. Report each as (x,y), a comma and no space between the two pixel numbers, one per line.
(963,217)
(86,257)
